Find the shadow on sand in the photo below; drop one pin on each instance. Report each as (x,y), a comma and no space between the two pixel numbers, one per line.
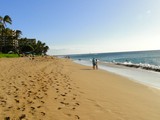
(86,69)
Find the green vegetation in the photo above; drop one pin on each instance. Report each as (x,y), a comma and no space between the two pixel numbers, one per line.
(8,55)
(10,40)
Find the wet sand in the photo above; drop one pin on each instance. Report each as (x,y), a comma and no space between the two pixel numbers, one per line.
(58,89)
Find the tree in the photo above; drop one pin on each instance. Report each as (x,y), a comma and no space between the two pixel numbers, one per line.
(46,48)
(18,34)
(40,48)
(7,41)
(10,40)
(3,21)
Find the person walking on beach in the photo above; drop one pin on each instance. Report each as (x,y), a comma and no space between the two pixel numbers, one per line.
(96,64)
(93,63)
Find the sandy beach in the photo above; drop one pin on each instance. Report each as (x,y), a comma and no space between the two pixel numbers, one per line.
(59,89)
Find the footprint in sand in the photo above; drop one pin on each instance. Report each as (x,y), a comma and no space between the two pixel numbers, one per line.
(63,95)
(39,106)
(77,104)
(3,103)
(59,108)
(7,118)
(77,117)
(32,108)
(57,90)
(22,109)
(30,102)
(42,102)
(10,107)
(74,98)
(22,117)
(43,113)
(64,103)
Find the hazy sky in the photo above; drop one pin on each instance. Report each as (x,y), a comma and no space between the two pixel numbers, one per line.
(87,26)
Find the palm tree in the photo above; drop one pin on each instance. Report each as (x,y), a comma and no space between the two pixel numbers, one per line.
(18,34)
(1,27)
(7,19)
(3,21)
(41,48)
(7,35)
(45,49)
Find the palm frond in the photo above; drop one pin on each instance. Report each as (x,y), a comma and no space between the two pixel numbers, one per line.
(7,19)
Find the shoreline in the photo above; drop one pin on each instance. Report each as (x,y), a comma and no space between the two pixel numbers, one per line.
(111,96)
(56,89)
(141,76)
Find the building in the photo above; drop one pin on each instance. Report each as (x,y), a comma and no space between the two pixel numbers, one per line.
(13,43)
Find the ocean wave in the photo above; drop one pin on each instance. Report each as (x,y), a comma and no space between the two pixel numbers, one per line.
(140,65)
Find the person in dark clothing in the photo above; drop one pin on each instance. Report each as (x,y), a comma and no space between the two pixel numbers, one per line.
(96,64)
(93,63)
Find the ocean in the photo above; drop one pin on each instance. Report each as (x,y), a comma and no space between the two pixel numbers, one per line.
(139,66)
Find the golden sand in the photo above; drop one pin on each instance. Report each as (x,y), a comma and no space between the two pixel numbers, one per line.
(58,89)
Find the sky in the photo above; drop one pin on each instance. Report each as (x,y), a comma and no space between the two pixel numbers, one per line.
(87,26)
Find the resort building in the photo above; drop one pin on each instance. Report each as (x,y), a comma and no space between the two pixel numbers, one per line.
(10,42)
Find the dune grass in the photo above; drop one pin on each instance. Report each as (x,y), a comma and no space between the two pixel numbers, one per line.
(8,55)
